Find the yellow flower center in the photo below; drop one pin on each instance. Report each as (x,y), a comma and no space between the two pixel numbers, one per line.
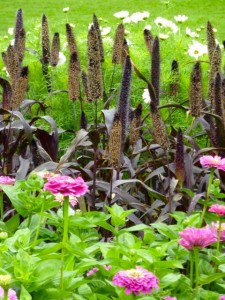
(135,273)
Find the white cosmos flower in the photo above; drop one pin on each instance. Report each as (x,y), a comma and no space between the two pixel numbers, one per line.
(145,14)
(162,22)
(105,31)
(66,9)
(163,36)
(191,33)
(180,18)
(12,42)
(126,20)
(136,17)
(197,49)
(148,27)
(146,96)
(62,59)
(10,31)
(121,14)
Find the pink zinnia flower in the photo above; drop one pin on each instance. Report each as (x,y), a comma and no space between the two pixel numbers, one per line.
(11,294)
(196,237)
(66,186)
(218,209)
(214,227)
(95,269)
(7,180)
(222,297)
(92,271)
(136,281)
(170,298)
(208,161)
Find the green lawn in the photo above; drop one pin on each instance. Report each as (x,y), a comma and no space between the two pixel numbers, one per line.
(198,11)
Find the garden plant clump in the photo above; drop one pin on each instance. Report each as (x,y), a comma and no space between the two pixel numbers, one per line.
(112,174)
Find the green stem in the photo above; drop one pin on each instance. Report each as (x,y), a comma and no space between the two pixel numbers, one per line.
(39,225)
(207,195)
(191,268)
(196,255)
(29,220)
(219,236)
(5,294)
(65,234)
(1,206)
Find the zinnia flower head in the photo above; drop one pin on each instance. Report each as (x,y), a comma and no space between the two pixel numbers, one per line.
(209,161)
(218,209)
(170,298)
(95,269)
(11,294)
(196,237)
(136,281)
(66,185)
(222,297)
(214,226)
(7,180)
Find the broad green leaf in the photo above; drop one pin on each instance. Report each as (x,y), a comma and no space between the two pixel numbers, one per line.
(169,279)
(24,295)
(206,279)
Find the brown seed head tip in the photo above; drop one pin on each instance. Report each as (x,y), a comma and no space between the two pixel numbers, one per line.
(174,66)
(44,18)
(24,71)
(139,110)
(73,57)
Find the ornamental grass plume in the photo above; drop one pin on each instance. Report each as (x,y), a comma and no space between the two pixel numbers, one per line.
(19,88)
(155,69)
(136,281)
(217,209)
(135,125)
(45,41)
(12,64)
(115,141)
(85,85)
(6,93)
(209,161)
(148,40)
(118,44)
(179,159)
(20,36)
(159,127)
(97,28)
(125,52)
(192,237)
(211,43)
(195,94)
(74,77)
(174,85)
(94,74)
(124,99)
(215,67)
(72,45)
(54,55)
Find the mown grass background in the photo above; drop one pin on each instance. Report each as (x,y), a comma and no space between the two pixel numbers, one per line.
(80,14)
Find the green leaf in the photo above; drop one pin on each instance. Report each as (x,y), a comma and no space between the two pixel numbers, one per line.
(13,223)
(44,272)
(24,295)
(166,230)
(204,279)
(169,279)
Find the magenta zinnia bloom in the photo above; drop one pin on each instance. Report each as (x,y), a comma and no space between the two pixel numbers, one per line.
(218,209)
(208,161)
(11,294)
(66,185)
(136,281)
(222,297)
(196,237)
(7,180)
(214,227)
(170,298)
